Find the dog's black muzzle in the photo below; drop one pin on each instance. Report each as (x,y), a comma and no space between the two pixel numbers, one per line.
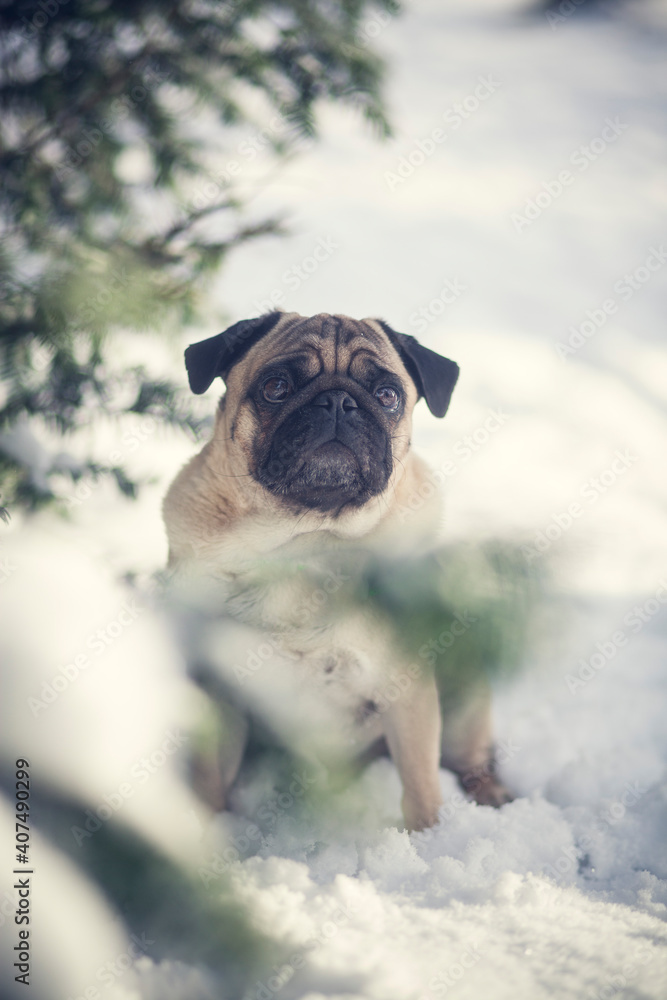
(334,449)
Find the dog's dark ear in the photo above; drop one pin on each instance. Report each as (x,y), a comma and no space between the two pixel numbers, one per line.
(434,376)
(209,358)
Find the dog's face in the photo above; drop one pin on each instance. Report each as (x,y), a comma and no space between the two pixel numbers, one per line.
(320,407)
(328,412)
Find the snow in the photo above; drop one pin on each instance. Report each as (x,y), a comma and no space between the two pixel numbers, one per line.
(563,892)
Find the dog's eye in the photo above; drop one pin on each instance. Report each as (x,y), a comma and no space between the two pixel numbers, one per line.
(275,389)
(387,397)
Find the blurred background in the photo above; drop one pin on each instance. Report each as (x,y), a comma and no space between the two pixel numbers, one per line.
(488,176)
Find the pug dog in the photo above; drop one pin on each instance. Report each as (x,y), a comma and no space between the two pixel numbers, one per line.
(311,451)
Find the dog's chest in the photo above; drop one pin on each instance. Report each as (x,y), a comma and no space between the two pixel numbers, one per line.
(329,644)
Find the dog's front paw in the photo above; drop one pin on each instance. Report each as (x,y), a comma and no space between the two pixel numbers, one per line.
(487,791)
(420,815)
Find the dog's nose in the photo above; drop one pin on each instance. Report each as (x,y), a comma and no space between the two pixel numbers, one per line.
(335,401)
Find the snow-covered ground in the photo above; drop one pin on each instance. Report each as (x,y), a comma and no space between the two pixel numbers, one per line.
(557,433)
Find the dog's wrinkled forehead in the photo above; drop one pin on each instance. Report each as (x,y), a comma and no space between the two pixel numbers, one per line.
(327,344)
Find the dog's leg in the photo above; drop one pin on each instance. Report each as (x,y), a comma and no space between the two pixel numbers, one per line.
(467,744)
(412,731)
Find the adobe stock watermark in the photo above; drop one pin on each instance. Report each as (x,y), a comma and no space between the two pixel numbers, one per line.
(270,812)
(261,140)
(606,649)
(115,282)
(118,280)
(7,568)
(304,613)
(454,117)
(41,355)
(46,9)
(625,288)
(298,273)
(340,915)
(373,27)
(117,967)
(440,984)
(463,450)
(97,644)
(581,158)
(139,774)
(399,682)
(452,289)
(619,982)
(131,441)
(120,109)
(436,647)
(571,857)
(591,491)
(565,9)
